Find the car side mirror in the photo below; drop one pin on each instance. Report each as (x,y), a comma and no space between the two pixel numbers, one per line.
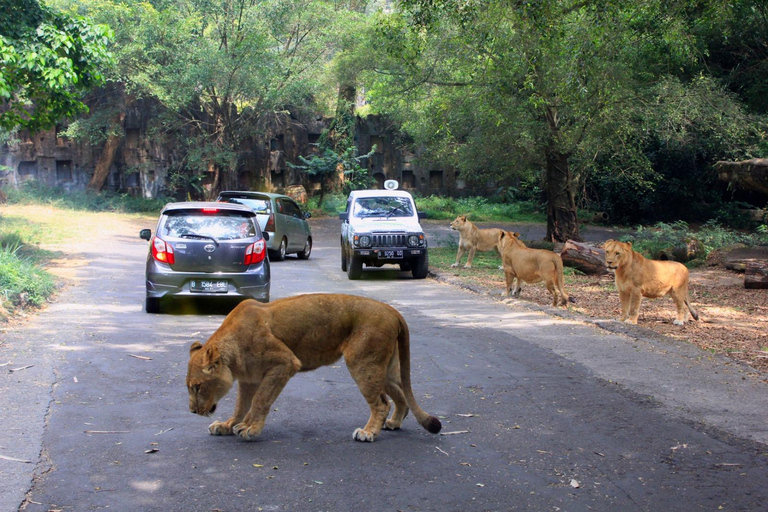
(145,234)
(422,215)
(307,215)
(344,216)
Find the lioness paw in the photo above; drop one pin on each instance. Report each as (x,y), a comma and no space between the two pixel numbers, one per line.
(220,428)
(363,435)
(392,425)
(454,265)
(678,322)
(248,432)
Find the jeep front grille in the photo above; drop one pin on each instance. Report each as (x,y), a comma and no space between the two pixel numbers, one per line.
(389,240)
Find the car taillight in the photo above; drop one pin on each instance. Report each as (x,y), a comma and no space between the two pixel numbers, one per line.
(255,252)
(210,210)
(270,223)
(163,251)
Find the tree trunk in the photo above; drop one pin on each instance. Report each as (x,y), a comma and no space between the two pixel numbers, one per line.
(562,221)
(746,175)
(583,257)
(756,275)
(213,192)
(107,157)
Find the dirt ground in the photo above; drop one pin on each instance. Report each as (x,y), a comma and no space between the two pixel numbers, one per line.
(732,320)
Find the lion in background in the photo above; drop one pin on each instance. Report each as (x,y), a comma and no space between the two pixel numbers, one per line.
(638,277)
(532,266)
(261,346)
(472,239)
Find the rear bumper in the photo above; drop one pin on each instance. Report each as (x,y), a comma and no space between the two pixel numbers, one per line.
(254,283)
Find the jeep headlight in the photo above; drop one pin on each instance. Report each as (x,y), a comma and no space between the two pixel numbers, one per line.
(416,240)
(363,241)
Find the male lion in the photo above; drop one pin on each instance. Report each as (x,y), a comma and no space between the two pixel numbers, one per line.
(472,239)
(263,345)
(638,277)
(531,266)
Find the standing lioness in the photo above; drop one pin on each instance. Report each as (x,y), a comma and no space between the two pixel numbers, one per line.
(472,239)
(638,277)
(531,266)
(263,345)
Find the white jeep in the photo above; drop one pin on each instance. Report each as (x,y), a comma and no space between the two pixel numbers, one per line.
(382,227)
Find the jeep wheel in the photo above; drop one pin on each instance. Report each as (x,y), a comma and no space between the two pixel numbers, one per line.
(355,267)
(420,267)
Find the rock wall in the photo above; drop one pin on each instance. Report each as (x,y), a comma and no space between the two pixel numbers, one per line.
(146,158)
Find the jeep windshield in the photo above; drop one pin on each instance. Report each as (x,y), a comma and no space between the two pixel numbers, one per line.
(382,207)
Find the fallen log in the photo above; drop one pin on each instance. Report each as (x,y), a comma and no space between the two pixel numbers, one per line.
(584,257)
(746,175)
(756,275)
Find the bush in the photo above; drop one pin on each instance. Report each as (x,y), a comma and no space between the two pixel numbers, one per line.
(21,280)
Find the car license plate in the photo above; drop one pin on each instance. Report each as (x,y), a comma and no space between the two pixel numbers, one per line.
(391,255)
(208,286)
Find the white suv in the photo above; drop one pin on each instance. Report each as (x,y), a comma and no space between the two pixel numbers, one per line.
(380,227)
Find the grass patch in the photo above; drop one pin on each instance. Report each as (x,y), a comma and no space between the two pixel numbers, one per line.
(32,192)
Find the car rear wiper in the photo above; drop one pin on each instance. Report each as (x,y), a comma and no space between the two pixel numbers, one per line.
(195,235)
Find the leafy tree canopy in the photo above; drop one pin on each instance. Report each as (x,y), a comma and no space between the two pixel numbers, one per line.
(48,59)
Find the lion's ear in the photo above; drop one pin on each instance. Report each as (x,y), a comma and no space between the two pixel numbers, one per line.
(501,235)
(464,218)
(516,234)
(211,359)
(630,244)
(195,347)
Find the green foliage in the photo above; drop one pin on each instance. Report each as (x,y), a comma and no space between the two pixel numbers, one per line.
(48,59)
(22,280)
(650,240)
(33,192)
(479,209)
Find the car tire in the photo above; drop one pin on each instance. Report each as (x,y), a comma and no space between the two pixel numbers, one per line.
(279,254)
(152,305)
(420,267)
(355,267)
(304,255)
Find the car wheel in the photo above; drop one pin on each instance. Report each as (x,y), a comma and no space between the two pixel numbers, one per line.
(420,267)
(343,259)
(304,255)
(152,305)
(355,267)
(279,254)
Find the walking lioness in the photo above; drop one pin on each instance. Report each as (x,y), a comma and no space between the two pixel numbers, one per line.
(638,277)
(531,266)
(263,345)
(472,239)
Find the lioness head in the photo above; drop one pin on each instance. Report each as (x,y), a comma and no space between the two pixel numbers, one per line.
(616,253)
(208,380)
(459,222)
(507,239)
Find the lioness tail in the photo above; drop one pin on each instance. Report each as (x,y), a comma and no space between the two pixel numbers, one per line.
(694,314)
(429,422)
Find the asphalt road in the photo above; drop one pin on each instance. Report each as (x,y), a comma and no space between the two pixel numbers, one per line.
(538,412)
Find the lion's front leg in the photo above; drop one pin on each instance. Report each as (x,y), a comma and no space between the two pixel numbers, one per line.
(459,254)
(624,298)
(266,393)
(634,306)
(471,257)
(245,392)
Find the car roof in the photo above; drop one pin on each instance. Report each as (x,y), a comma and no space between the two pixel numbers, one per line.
(250,193)
(379,193)
(199,205)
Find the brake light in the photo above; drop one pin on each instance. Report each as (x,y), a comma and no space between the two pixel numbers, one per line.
(210,210)
(255,253)
(270,223)
(163,251)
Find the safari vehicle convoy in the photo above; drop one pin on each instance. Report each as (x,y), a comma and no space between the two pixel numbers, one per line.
(382,227)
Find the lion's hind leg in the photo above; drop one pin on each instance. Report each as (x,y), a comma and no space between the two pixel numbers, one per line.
(370,374)
(394,389)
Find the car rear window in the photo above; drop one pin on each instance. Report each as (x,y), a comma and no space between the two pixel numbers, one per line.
(255,204)
(221,226)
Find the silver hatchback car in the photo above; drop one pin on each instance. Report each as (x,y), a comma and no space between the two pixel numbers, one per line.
(279,216)
(210,250)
